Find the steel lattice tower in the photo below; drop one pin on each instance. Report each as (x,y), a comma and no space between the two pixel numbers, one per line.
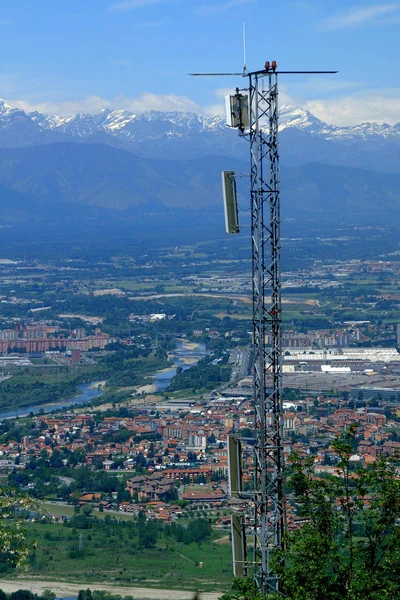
(269,498)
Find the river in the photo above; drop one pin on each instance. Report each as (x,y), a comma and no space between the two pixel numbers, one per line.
(182,352)
(88,392)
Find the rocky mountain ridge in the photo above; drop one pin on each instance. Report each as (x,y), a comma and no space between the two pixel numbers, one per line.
(135,128)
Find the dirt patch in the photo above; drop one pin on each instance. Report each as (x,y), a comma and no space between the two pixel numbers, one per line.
(146,389)
(65,590)
(223,540)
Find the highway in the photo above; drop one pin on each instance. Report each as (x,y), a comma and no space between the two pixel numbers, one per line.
(239,359)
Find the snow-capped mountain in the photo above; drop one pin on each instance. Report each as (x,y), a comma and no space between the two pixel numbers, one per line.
(293,116)
(298,118)
(5,108)
(17,128)
(131,126)
(139,127)
(183,135)
(80,125)
(153,124)
(113,168)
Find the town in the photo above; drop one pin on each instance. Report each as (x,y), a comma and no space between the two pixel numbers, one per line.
(119,391)
(170,454)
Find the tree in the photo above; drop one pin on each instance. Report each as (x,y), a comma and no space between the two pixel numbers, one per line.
(212,439)
(14,547)
(48,595)
(243,589)
(22,595)
(349,546)
(388,412)
(87,510)
(147,532)
(56,460)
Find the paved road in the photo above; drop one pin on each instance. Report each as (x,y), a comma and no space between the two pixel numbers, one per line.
(240,358)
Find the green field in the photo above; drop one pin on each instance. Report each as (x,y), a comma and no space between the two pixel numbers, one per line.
(89,556)
(168,286)
(52,373)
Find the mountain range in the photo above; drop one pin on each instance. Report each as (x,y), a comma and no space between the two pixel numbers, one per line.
(118,170)
(182,135)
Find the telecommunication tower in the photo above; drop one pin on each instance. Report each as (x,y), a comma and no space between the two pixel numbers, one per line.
(254,112)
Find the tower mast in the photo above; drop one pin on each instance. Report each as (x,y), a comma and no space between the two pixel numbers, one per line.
(269,500)
(255,115)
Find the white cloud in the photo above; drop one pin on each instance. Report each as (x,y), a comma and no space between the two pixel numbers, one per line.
(315,86)
(218,108)
(357,17)
(380,106)
(165,102)
(209,9)
(126,5)
(91,104)
(374,107)
(94,104)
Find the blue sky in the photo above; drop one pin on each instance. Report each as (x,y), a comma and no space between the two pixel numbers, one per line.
(72,56)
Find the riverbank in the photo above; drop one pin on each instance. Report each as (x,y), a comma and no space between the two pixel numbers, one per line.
(88,391)
(150,388)
(69,590)
(98,385)
(189,361)
(190,346)
(186,355)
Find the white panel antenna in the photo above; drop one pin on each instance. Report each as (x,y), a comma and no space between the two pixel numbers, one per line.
(230,202)
(234,465)
(237,111)
(239,558)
